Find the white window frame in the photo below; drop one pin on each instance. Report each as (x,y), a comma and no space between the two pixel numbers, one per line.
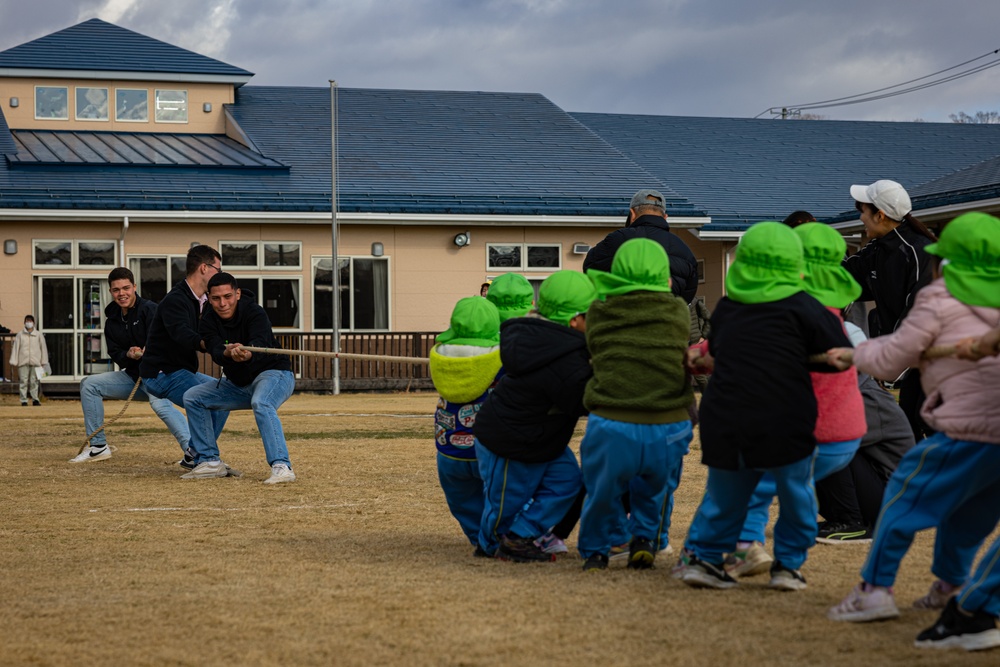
(254,282)
(74,254)
(523,267)
(156,105)
(260,266)
(35,101)
(76,104)
(315,259)
(700,267)
(131,90)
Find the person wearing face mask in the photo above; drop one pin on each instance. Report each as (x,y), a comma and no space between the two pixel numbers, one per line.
(29,353)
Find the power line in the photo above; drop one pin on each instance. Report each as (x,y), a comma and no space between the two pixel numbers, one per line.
(871,95)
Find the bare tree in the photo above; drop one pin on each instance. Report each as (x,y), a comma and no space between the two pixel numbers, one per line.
(980,117)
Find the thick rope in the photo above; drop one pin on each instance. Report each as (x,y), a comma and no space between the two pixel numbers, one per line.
(338,355)
(936,352)
(109,422)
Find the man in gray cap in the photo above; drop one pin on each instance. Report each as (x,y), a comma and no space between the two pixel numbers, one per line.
(648,218)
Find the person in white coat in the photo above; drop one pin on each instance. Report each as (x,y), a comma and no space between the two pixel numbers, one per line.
(29,353)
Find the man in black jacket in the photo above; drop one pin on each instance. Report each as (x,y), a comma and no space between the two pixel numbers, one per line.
(169,366)
(126,321)
(648,218)
(261,382)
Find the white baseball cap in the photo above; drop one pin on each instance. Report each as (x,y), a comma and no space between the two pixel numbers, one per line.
(887,196)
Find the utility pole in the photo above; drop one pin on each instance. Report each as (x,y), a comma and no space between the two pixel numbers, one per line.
(335,269)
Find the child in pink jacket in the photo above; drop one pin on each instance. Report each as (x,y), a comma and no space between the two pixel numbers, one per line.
(952,479)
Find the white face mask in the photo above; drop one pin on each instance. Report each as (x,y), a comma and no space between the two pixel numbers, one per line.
(29,325)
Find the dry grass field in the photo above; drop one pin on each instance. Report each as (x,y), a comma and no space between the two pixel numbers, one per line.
(119,562)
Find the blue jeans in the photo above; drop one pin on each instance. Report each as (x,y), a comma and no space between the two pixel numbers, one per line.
(830,457)
(173,386)
(264,396)
(642,459)
(118,385)
(716,526)
(463,489)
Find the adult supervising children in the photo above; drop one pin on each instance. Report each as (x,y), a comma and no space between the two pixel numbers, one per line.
(126,322)
(258,382)
(169,366)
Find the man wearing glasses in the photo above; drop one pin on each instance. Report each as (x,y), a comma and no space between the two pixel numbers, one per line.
(169,366)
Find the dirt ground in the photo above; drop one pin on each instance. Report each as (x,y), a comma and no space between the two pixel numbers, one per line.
(358,562)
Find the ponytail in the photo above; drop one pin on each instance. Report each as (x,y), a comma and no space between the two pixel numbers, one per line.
(919,226)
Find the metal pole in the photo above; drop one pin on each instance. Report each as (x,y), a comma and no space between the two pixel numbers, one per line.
(333,222)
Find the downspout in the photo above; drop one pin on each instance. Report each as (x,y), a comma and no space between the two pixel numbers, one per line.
(121,242)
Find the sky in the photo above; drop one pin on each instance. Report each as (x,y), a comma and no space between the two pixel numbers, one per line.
(729,58)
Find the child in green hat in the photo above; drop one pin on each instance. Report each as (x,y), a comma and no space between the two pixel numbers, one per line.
(530,476)
(758,414)
(951,479)
(465,366)
(639,427)
(512,294)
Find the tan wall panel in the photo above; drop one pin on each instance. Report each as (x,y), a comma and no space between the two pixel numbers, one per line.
(199,122)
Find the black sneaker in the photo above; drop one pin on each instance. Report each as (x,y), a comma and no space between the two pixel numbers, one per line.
(35,402)
(522,550)
(595,562)
(955,629)
(188,461)
(641,554)
(701,574)
(785,578)
(841,533)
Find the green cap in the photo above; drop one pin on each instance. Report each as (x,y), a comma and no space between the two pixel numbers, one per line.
(971,244)
(768,265)
(826,278)
(565,294)
(512,294)
(639,264)
(474,321)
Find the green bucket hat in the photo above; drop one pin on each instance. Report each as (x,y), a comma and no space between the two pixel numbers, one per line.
(512,294)
(768,265)
(826,279)
(474,321)
(565,294)
(639,264)
(971,244)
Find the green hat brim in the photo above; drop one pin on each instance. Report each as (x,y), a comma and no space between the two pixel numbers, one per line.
(973,285)
(747,283)
(609,284)
(831,285)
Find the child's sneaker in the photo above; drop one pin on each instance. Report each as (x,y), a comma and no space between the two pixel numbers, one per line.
(595,562)
(937,597)
(619,552)
(843,533)
(748,562)
(641,554)
(481,553)
(551,544)
(785,578)
(699,574)
(92,453)
(861,606)
(677,571)
(954,629)
(522,550)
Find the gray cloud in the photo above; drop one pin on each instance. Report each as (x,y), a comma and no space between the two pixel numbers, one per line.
(673,57)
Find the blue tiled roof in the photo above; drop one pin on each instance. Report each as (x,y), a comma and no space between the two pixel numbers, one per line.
(100,46)
(7,146)
(741,171)
(400,151)
(46,147)
(978,182)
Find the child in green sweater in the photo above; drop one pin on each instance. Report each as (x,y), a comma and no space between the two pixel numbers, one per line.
(639,429)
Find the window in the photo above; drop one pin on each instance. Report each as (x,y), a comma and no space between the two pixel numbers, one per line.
(151,274)
(52,102)
(131,105)
(92,104)
(701,270)
(73,253)
(524,256)
(278,296)
(261,254)
(71,314)
(171,106)
(364,293)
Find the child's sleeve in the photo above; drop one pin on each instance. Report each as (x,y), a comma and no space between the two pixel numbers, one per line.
(886,357)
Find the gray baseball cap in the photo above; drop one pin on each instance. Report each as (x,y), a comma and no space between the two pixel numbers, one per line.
(649,198)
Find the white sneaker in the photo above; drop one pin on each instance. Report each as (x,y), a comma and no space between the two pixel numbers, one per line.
(280,472)
(937,597)
(92,454)
(785,578)
(699,574)
(207,470)
(859,606)
(748,562)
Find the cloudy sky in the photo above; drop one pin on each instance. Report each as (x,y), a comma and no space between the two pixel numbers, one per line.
(667,57)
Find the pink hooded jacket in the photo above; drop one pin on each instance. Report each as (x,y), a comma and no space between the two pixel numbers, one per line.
(961,395)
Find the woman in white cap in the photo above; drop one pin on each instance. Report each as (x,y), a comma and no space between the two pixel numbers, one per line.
(890,269)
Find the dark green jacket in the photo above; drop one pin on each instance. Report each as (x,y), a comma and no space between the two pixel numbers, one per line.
(637,343)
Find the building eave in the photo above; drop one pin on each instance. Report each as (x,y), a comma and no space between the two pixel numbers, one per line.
(112,75)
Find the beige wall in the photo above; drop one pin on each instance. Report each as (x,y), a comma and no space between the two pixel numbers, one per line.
(427,271)
(23,116)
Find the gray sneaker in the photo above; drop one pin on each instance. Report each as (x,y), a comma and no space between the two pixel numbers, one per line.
(701,574)
(280,472)
(207,470)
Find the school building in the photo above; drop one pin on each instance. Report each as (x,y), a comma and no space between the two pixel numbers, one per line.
(119,149)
